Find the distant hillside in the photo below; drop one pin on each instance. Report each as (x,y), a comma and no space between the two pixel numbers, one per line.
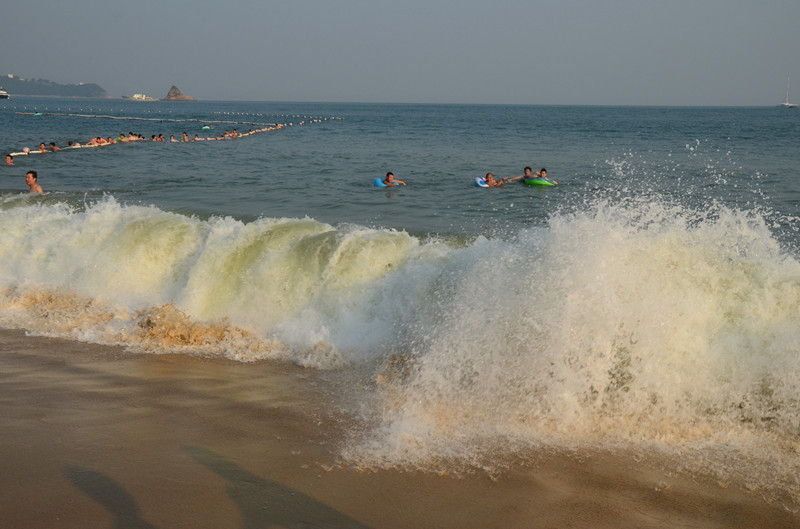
(41,87)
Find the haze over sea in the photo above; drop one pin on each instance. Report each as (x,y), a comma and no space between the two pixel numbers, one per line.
(648,304)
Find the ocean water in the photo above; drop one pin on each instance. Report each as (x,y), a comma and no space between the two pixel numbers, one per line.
(649,304)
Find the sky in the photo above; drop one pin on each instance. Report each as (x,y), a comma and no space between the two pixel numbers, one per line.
(542,52)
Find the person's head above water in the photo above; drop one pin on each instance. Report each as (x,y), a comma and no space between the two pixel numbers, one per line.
(31,180)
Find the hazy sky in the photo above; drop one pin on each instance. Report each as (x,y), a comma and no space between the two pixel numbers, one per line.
(574,52)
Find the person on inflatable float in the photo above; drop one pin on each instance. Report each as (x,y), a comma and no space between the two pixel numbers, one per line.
(491,182)
(390,181)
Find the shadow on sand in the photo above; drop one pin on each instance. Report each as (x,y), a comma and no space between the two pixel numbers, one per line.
(262,503)
(265,503)
(110,495)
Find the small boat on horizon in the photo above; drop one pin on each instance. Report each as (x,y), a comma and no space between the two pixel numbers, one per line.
(3,93)
(139,97)
(786,103)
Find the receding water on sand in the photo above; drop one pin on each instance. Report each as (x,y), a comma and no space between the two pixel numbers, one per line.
(94,435)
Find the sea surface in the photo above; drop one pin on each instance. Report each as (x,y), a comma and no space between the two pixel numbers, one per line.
(648,304)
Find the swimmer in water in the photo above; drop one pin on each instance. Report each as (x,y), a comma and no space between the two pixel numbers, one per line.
(30,179)
(491,182)
(390,181)
(525,176)
(543,174)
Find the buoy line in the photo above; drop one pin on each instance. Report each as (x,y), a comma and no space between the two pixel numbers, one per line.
(101,142)
(171,120)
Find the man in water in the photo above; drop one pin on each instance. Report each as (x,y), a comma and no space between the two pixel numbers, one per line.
(543,174)
(390,181)
(526,176)
(9,159)
(30,179)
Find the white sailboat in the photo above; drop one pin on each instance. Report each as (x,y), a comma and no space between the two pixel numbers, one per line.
(786,103)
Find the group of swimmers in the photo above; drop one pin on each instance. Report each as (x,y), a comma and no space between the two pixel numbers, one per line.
(99,141)
(31,178)
(527,175)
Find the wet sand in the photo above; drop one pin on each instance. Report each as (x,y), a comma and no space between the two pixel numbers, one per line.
(94,436)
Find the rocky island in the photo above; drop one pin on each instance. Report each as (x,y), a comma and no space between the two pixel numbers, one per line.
(176,95)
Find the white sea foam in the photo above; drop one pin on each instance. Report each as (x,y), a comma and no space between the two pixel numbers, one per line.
(629,323)
(305,284)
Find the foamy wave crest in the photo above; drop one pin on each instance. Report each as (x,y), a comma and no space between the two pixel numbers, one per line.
(629,324)
(139,276)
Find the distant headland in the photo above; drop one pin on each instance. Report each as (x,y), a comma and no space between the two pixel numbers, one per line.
(41,87)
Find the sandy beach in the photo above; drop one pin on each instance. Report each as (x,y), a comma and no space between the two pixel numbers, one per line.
(95,436)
